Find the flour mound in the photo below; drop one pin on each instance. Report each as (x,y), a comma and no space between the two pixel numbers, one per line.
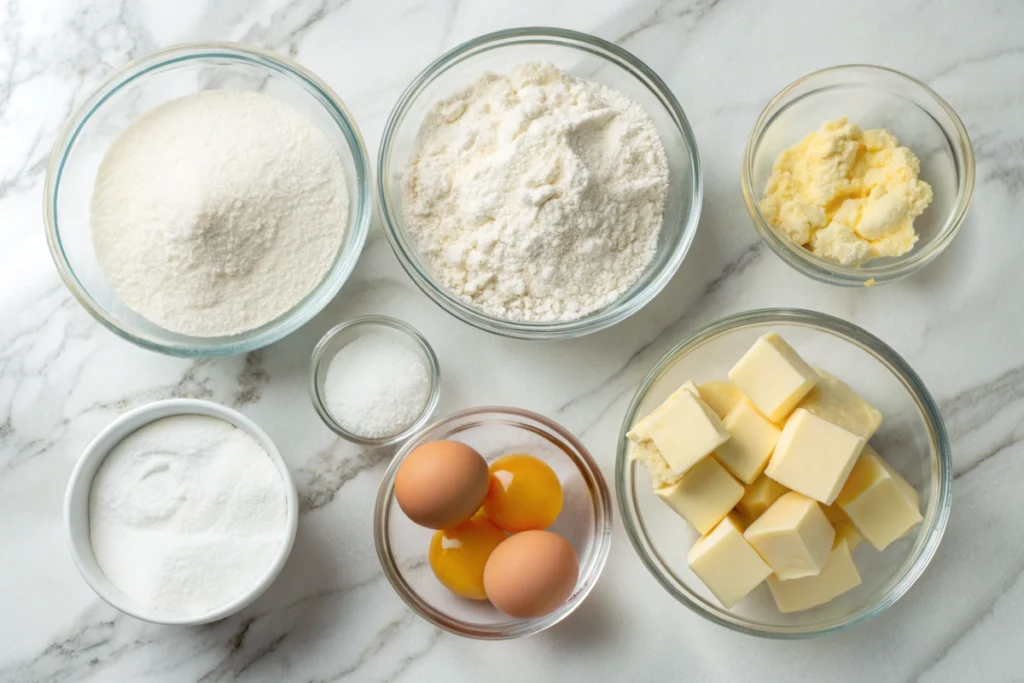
(537,196)
(217,212)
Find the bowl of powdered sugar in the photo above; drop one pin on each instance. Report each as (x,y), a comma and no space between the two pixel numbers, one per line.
(539,183)
(181,512)
(207,199)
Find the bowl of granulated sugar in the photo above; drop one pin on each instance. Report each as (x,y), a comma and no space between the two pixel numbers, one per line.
(181,512)
(374,380)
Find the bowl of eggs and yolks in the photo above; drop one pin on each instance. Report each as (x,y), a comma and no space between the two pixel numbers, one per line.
(511,545)
(448,486)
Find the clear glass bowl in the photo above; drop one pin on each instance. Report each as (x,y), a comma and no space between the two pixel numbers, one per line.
(142,85)
(585,520)
(586,57)
(344,334)
(912,438)
(871,97)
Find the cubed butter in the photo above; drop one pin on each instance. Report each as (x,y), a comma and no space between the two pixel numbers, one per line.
(704,496)
(646,453)
(838,576)
(846,532)
(773,376)
(793,536)
(879,502)
(639,431)
(726,563)
(814,456)
(759,496)
(720,395)
(833,400)
(752,437)
(685,430)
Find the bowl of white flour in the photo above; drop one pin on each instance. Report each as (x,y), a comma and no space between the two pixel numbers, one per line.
(181,512)
(207,199)
(539,183)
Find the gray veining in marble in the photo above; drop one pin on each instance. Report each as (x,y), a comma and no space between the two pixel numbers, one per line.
(332,616)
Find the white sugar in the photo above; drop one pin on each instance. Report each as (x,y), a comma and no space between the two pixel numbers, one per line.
(187,514)
(376,386)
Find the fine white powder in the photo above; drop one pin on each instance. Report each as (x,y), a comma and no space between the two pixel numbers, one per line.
(537,196)
(217,212)
(187,514)
(376,386)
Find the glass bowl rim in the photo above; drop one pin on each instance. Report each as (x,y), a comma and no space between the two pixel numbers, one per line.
(433,372)
(849,332)
(309,305)
(847,276)
(604,317)
(602,536)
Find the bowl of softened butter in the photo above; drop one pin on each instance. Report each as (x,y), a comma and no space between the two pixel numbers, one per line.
(784,473)
(858,175)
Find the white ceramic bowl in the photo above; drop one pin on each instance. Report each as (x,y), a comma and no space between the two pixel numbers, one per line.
(76,507)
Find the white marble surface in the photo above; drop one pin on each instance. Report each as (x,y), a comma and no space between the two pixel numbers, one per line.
(332,616)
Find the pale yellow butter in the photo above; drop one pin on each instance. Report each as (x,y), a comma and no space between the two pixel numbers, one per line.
(847,195)
(814,456)
(879,502)
(773,376)
(846,532)
(704,496)
(752,437)
(759,496)
(793,536)
(838,576)
(643,450)
(639,431)
(720,395)
(685,430)
(836,402)
(726,563)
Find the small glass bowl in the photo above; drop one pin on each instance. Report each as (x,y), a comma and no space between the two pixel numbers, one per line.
(585,520)
(581,55)
(340,336)
(149,82)
(912,439)
(871,97)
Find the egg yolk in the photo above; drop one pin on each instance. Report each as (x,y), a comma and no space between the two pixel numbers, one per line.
(524,494)
(458,555)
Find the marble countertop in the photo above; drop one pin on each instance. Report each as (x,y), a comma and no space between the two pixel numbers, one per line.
(332,616)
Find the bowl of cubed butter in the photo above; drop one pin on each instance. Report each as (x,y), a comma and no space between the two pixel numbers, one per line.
(784,473)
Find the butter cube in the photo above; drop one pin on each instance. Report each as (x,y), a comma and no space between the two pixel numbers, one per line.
(773,377)
(720,395)
(838,576)
(639,431)
(704,496)
(726,563)
(685,430)
(836,402)
(647,454)
(846,532)
(759,496)
(879,502)
(793,536)
(814,456)
(752,437)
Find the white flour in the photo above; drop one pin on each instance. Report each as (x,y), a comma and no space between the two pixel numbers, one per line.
(186,514)
(376,386)
(218,212)
(537,196)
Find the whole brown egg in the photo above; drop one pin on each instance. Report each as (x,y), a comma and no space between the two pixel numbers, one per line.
(441,484)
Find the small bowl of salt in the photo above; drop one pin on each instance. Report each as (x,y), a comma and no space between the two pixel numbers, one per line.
(374,380)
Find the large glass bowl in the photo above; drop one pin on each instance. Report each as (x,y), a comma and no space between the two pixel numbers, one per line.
(912,438)
(147,83)
(581,55)
(871,97)
(585,520)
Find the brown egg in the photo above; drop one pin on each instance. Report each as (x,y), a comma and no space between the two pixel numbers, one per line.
(441,484)
(531,574)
